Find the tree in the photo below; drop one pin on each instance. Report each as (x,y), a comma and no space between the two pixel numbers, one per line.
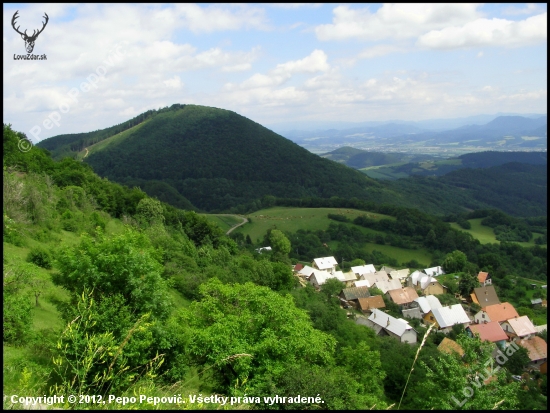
(332,287)
(454,262)
(149,211)
(467,283)
(264,328)
(279,242)
(125,264)
(463,383)
(17,304)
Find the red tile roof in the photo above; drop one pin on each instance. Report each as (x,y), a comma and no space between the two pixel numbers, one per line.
(298,267)
(492,331)
(403,295)
(500,312)
(372,302)
(482,276)
(536,347)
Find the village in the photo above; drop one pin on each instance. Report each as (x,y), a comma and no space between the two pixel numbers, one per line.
(415,294)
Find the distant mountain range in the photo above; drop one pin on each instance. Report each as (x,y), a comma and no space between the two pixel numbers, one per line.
(502,133)
(197,157)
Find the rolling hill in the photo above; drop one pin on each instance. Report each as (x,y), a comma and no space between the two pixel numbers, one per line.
(214,158)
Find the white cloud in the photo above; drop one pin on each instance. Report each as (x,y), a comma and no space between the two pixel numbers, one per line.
(380,50)
(488,32)
(394,20)
(315,62)
(480,54)
(218,17)
(174,83)
(530,8)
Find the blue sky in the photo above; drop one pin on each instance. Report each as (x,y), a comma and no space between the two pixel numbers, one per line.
(273,63)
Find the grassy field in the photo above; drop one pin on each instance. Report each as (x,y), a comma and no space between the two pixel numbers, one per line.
(402,255)
(486,235)
(225,222)
(293,219)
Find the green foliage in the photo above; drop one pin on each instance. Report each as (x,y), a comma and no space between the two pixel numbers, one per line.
(454,262)
(41,257)
(279,242)
(149,211)
(88,360)
(17,304)
(454,383)
(468,281)
(125,264)
(247,331)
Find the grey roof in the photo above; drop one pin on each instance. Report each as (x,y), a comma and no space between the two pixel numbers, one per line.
(449,316)
(412,312)
(397,326)
(428,303)
(353,293)
(486,295)
(536,301)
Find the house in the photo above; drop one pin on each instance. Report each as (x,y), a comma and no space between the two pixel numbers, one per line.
(306,271)
(450,346)
(361,283)
(352,295)
(348,278)
(266,249)
(412,312)
(484,296)
(536,302)
(541,328)
(492,332)
(434,271)
(519,328)
(484,278)
(385,286)
(425,283)
(385,324)
(366,305)
(446,317)
(412,280)
(427,303)
(537,350)
(318,278)
(400,275)
(298,267)
(374,277)
(363,269)
(403,297)
(496,312)
(324,264)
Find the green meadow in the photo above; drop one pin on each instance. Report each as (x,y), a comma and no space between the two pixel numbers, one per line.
(225,222)
(486,235)
(292,219)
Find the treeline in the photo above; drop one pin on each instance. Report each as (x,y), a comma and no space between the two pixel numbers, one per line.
(68,145)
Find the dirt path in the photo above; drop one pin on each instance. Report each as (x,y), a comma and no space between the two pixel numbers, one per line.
(234,226)
(86,153)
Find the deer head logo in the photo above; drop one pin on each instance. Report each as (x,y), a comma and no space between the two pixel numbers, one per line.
(29,40)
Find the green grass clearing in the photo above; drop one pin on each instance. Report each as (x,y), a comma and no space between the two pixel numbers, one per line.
(486,235)
(402,255)
(225,222)
(292,219)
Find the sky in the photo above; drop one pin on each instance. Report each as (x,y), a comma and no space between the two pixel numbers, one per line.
(272,63)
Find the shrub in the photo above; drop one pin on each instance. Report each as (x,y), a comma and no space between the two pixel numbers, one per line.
(40,257)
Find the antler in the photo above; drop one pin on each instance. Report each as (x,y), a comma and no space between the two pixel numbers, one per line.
(15,16)
(43,25)
(34,34)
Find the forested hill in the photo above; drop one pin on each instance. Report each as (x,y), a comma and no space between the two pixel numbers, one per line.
(216,159)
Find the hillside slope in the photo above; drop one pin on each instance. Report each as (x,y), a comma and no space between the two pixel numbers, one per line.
(217,159)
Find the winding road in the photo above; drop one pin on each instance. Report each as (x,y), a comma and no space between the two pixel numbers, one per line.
(245,220)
